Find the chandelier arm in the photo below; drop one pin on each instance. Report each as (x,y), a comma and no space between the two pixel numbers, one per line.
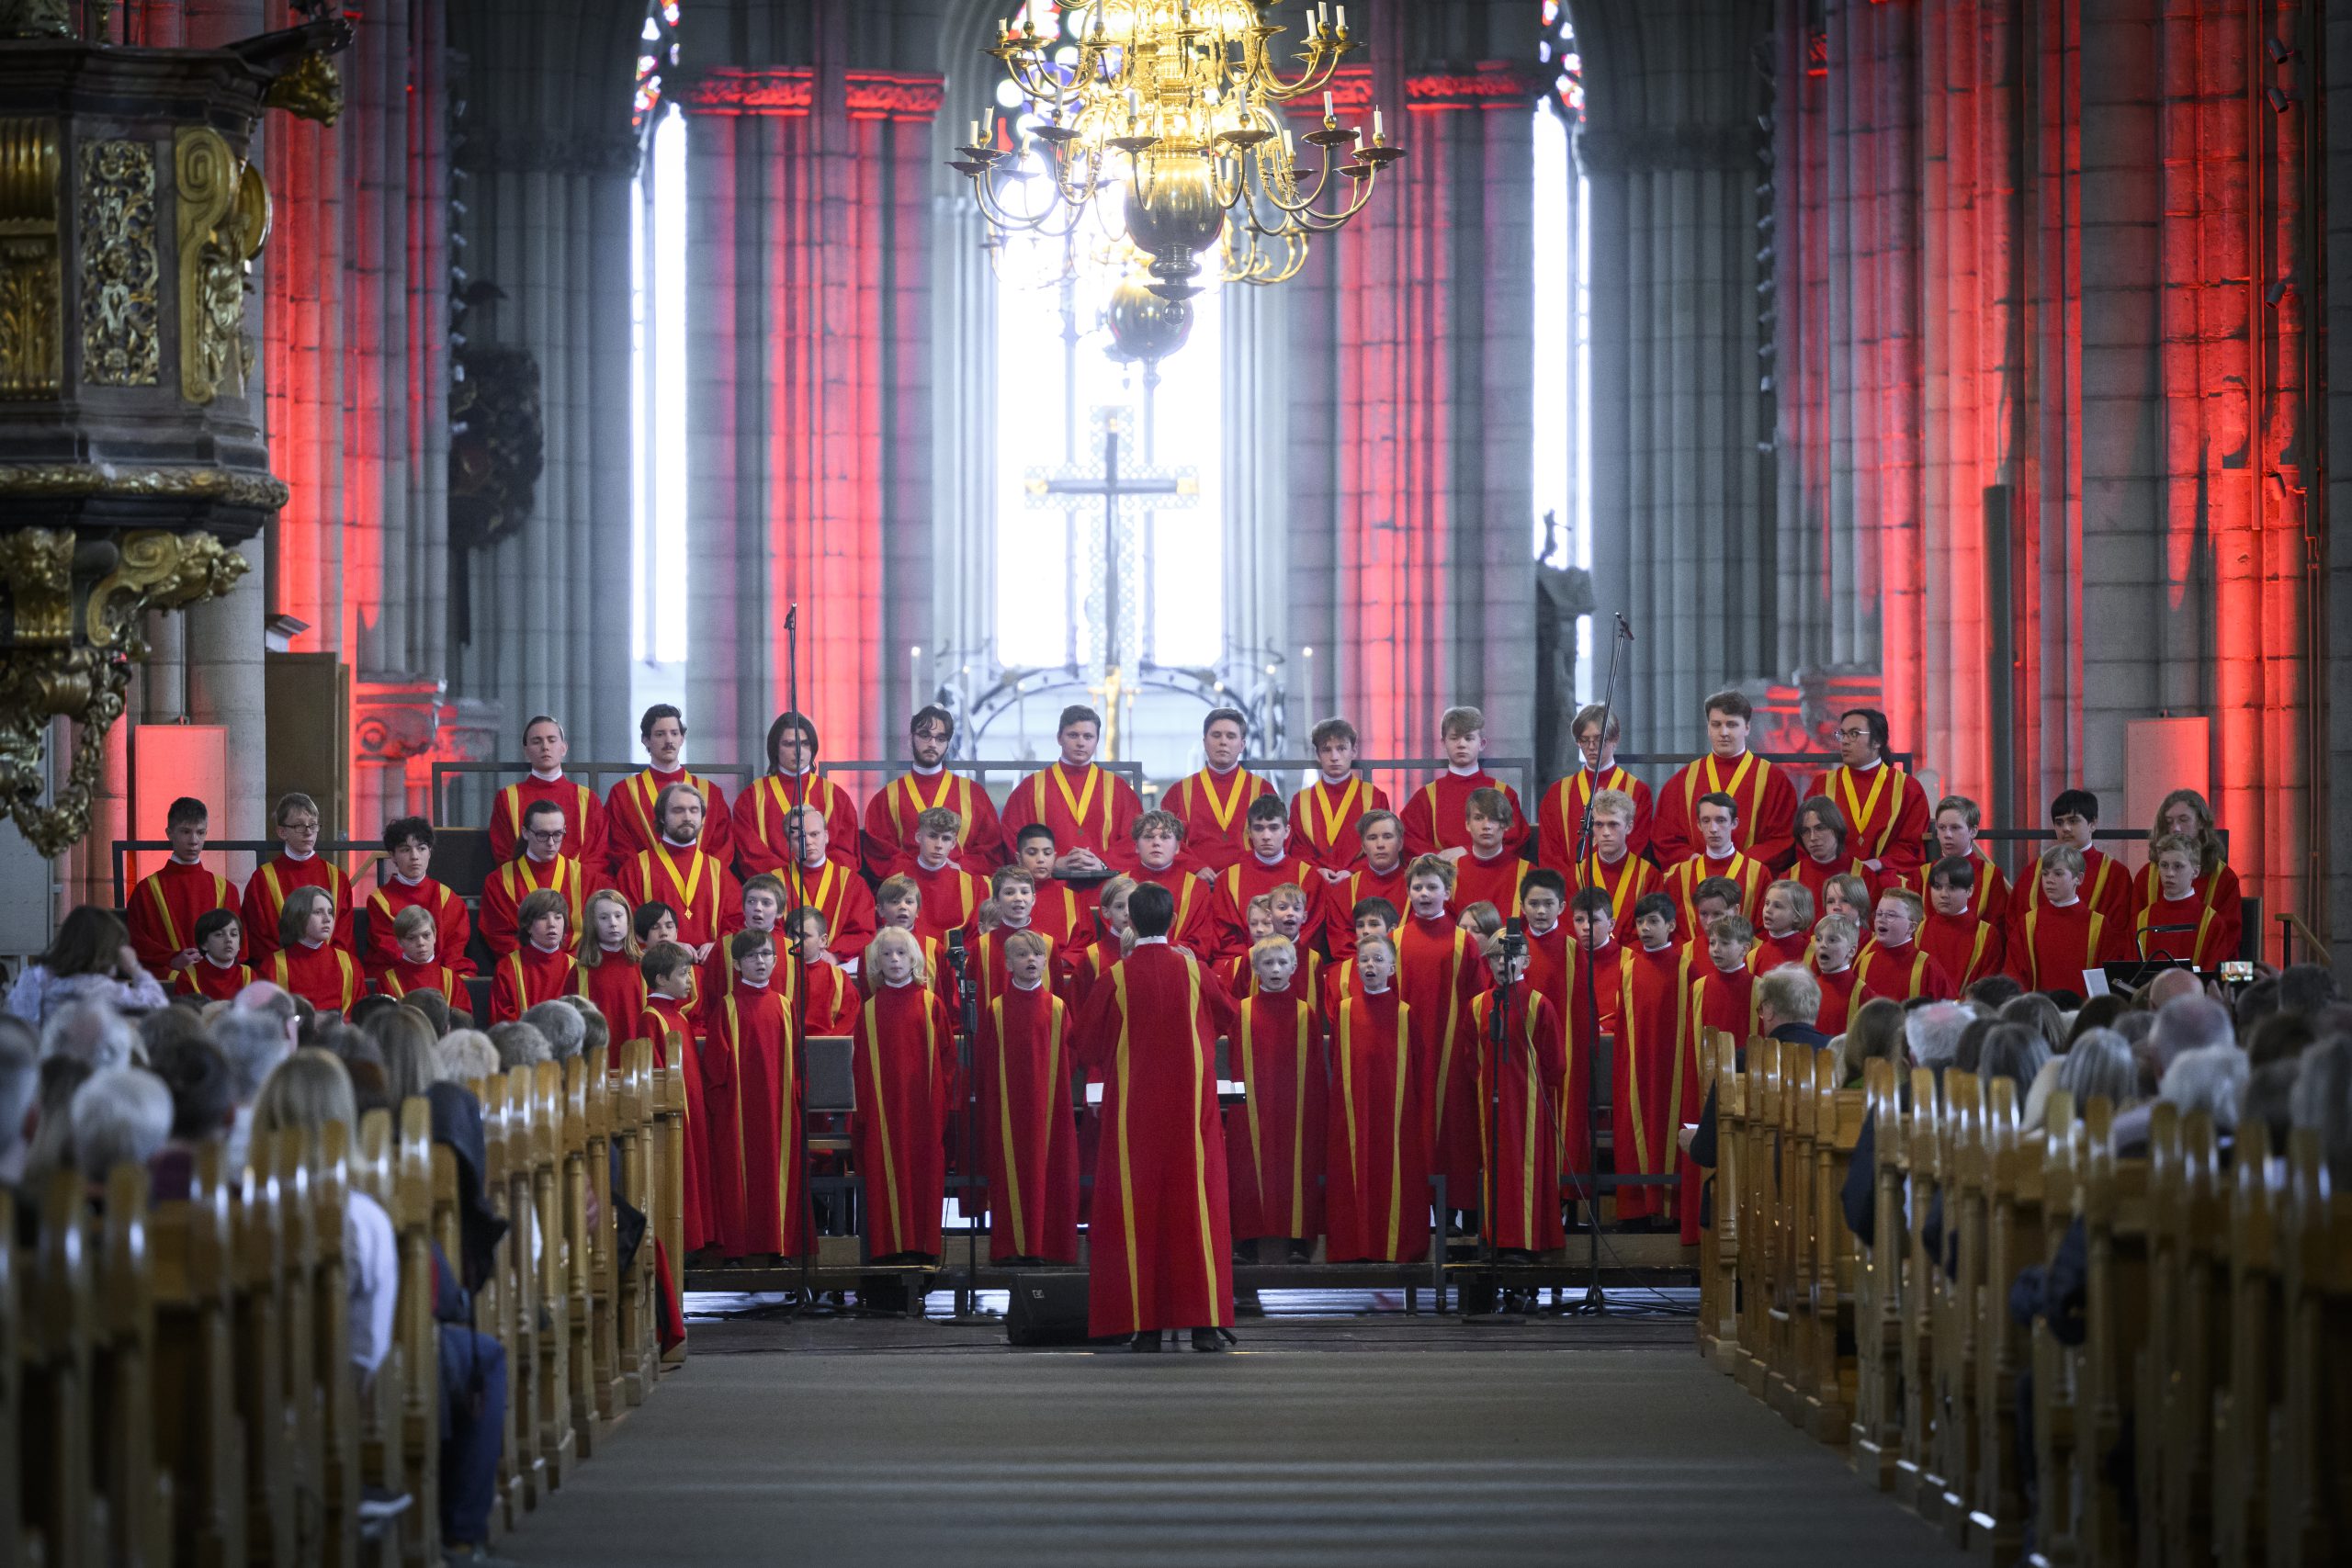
(1003,216)
(1321,63)
(1320,222)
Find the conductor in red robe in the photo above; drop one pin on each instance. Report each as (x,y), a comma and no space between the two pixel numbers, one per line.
(1160,1247)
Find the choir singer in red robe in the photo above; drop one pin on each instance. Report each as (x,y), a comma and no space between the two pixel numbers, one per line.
(1160,1247)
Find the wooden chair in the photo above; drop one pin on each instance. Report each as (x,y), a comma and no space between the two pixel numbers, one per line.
(1922,1268)
(1789,1372)
(1875,1436)
(2113,1202)
(1836,1269)
(374,1172)
(1759,1251)
(337,1399)
(137,1495)
(603,1257)
(62,1514)
(2250,1396)
(1722,1325)
(2187,1362)
(550,1218)
(670,1165)
(419,1334)
(2015,1236)
(519,1276)
(2057,1368)
(578,1245)
(197,1439)
(2311,1456)
(263,1398)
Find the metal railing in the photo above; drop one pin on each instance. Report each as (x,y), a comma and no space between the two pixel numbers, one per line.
(341,850)
(1426,766)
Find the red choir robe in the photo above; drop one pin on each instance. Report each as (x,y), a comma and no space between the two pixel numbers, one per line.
(1519,1121)
(989,978)
(1585,990)
(1989,900)
(213,982)
(903,1061)
(327,976)
(1273,1139)
(1214,809)
(1241,980)
(1088,808)
(265,900)
(1814,876)
(2217,895)
(1376,1137)
(503,896)
(836,892)
(667,1022)
(1653,1018)
(632,827)
(1193,928)
(2107,886)
(1968,948)
(614,987)
(1901,973)
(715,976)
(1768,808)
(2205,944)
(1495,881)
(695,885)
(453,928)
(1028,1131)
(892,812)
(1771,952)
(1250,877)
(403,978)
(951,899)
(1161,1249)
(1719,1001)
(2049,947)
(762,840)
(754,1090)
(1627,883)
(832,1000)
(584,835)
(1062,917)
(1438,815)
(1323,818)
(1341,981)
(525,978)
(164,910)
(1559,821)
(1340,898)
(1887,816)
(1683,877)
(1837,997)
(1723,999)
(1438,971)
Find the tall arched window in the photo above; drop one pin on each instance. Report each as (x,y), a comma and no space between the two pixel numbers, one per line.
(658,375)
(1562,401)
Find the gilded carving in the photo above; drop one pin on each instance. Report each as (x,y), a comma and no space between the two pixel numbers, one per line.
(313,90)
(37,566)
(223,219)
(31,361)
(159,571)
(56,481)
(36,18)
(120,343)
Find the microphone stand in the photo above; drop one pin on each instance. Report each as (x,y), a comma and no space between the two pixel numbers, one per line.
(796,1038)
(1596,1300)
(968,1028)
(1490,1175)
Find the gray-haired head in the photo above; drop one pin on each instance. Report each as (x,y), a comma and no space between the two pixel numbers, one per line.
(90,1032)
(122,1116)
(254,1042)
(1933,1031)
(2191,1024)
(2211,1078)
(2100,1066)
(562,1026)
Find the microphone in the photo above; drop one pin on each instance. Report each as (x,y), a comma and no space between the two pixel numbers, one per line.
(1514,937)
(1625,627)
(792,618)
(956,947)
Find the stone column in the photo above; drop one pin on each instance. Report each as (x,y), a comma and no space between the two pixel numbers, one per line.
(1687,544)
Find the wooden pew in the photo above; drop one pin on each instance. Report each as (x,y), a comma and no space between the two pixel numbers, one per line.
(1720,1324)
(1876,1434)
(419,1336)
(138,1495)
(263,1398)
(1836,1127)
(374,1172)
(2015,1236)
(1922,1172)
(494,1303)
(602,1259)
(2112,1199)
(2057,1368)
(61,1511)
(2245,1408)
(2310,1459)
(519,1278)
(633,1358)
(197,1439)
(299,1260)
(1758,1249)
(2186,1362)
(337,1397)
(1953,1302)
(550,1219)
(579,1244)
(1789,1371)
(13,1544)
(670,1167)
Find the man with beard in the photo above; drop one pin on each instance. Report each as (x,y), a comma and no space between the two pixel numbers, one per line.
(678,872)
(892,813)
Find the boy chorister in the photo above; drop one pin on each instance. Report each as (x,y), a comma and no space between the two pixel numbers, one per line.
(754,1091)
(1274,1139)
(829,998)
(1376,1127)
(608,956)
(1968,947)
(416,935)
(1028,1133)
(1787,921)
(903,1061)
(1439,969)
(1836,938)
(216,975)
(667,972)
(1518,1110)
(539,970)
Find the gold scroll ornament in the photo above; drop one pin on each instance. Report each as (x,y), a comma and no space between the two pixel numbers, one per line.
(223,222)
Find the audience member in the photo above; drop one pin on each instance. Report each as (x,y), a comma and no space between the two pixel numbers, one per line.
(365,1008)
(2281,1037)
(2100,1066)
(2306,988)
(252,1041)
(411,1065)
(596,1033)
(1931,1034)
(436,1009)
(1875,1032)
(1993,991)
(2322,1102)
(1968,1054)
(561,1025)
(51,1147)
(2012,1051)
(121,1116)
(89,959)
(2211,1078)
(90,1030)
(309,1090)
(169,1026)
(467,1054)
(2038,1013)
(2257,1002)
(19,1096)
(2168,985)
(2099,1012)
(2269,1100)
(203,1103)
(519,1044)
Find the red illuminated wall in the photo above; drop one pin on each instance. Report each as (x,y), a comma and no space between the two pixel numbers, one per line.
(809,254)
(2026,264)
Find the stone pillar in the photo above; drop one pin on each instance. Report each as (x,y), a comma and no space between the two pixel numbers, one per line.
(547,144)
(807,437)
(1687,544)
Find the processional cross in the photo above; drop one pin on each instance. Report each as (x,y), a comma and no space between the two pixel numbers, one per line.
(1117,487)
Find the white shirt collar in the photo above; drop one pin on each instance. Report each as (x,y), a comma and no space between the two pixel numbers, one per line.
(2068,905)
(1866,767)
(1470,771)
(1221,772)
(536,944)
(1661,947)
(611,946)
(1336,780)
(920,772)
(1019,986)
(1269,864)
(749,984)
(217,964)
(196,859)
(554,777)
(534,857)
(313,946)
(1840,969)
(297,860)
(666,775)
(410,881)
(673,843)
(1547,930)
(1372,991)
(1151,941)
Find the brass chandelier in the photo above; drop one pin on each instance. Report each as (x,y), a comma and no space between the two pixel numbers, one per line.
(1175,105)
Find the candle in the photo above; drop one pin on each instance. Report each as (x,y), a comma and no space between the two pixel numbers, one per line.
(1343,18)
(988,121)
(975,133)
(1326,105)
(1376,122)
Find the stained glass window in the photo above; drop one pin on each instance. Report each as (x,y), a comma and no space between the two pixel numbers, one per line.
(1562,401)
(657,374)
